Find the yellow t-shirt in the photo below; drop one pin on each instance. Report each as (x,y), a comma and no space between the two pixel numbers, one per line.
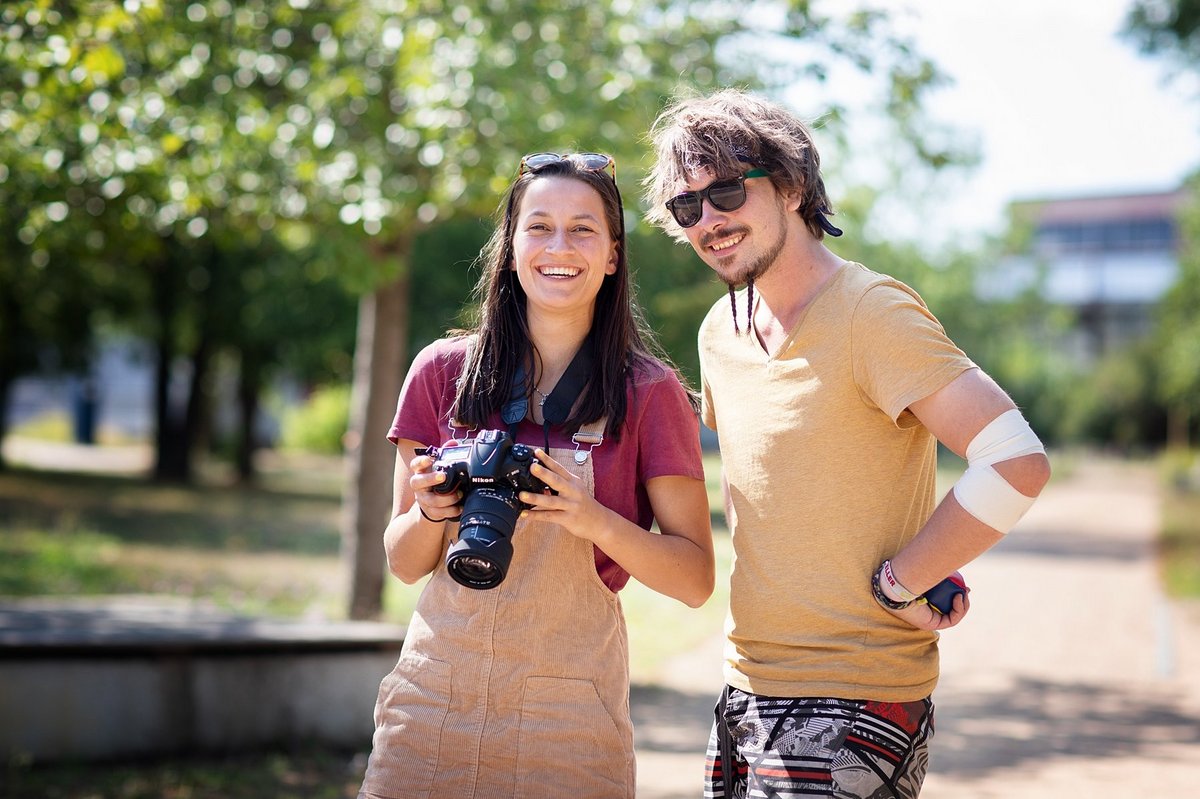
(828,475)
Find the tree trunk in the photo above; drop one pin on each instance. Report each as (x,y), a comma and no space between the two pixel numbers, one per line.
(380,358)
(180,428)
(249,387)
(1178,422)
(170,462)
(5,393)
(168,438)
(197,418)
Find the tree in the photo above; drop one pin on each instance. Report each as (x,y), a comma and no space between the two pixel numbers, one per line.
(155,180)
(1171,29)
(1177,333)
(49,277)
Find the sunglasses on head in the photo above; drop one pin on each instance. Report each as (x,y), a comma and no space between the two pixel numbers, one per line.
(592,162)
(725,195)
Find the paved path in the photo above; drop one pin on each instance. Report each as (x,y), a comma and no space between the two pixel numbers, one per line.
(1073,676)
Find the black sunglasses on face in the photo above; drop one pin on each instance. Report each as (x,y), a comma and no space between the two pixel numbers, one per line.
(724,195)
(592,162)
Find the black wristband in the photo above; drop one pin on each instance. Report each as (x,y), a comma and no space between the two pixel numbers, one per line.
(436,521)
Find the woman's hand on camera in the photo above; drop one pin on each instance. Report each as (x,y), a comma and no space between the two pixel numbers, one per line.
(432,505)
(573,506)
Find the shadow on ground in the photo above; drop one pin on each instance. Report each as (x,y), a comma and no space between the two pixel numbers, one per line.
(669,720)
(1032,721)
(979,732)
(1072,544)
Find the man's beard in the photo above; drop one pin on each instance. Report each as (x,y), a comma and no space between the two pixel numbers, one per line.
(761,265)
(757,269)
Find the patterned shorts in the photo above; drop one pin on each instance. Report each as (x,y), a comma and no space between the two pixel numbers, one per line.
(848,749)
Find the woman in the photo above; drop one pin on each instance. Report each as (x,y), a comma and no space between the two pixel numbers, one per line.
(518,685)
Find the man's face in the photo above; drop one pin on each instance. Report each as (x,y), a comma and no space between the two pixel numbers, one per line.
(739,245)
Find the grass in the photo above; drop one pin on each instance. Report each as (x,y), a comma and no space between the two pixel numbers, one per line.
(270,550)
(56,426)
(317,774)
(1181,524)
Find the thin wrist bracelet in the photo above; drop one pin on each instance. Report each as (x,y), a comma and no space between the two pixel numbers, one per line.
(884,599)
(888,578)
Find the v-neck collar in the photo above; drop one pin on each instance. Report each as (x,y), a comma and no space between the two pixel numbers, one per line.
(790,339)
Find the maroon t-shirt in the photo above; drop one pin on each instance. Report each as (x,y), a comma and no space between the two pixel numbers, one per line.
(660,437)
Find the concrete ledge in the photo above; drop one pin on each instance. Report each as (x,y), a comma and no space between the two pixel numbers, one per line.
(134,676)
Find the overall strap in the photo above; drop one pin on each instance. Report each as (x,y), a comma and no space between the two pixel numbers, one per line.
(591,434)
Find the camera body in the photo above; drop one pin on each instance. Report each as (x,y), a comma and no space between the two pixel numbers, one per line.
(490,470)
(489,459)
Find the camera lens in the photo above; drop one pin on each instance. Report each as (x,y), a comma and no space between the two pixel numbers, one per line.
(483,552)
(474,571)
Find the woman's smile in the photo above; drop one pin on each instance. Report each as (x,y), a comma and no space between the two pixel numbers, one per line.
(562,247)
(558,272)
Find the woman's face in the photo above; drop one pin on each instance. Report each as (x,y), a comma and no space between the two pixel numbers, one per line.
(562,247)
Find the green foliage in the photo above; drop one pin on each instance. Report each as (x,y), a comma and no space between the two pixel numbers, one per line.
(195,173)
(675,290)
(1180,469)
(444,273)
(1166,27)
(1170,29)
(1177,333)
(1114,403)
(1013,340)
(1180,541)
(319,424)
(140,121)
(81,563)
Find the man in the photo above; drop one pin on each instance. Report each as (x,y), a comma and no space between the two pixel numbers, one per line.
(828,403)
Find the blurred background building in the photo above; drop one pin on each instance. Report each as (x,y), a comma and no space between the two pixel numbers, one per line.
(1109,259)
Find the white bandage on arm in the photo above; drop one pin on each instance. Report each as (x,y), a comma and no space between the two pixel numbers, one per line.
(981,491)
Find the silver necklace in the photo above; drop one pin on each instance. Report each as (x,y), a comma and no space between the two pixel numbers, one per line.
(541,397)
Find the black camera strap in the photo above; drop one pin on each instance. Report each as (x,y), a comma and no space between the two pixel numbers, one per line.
(516,407)
(562,399)
(558,405)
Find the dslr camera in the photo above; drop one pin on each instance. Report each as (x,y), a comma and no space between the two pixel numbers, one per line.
(490,470)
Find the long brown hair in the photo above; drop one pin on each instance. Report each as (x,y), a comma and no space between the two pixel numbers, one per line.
(619,337)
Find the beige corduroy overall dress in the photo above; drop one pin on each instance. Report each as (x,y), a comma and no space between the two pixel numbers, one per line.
(519,691)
